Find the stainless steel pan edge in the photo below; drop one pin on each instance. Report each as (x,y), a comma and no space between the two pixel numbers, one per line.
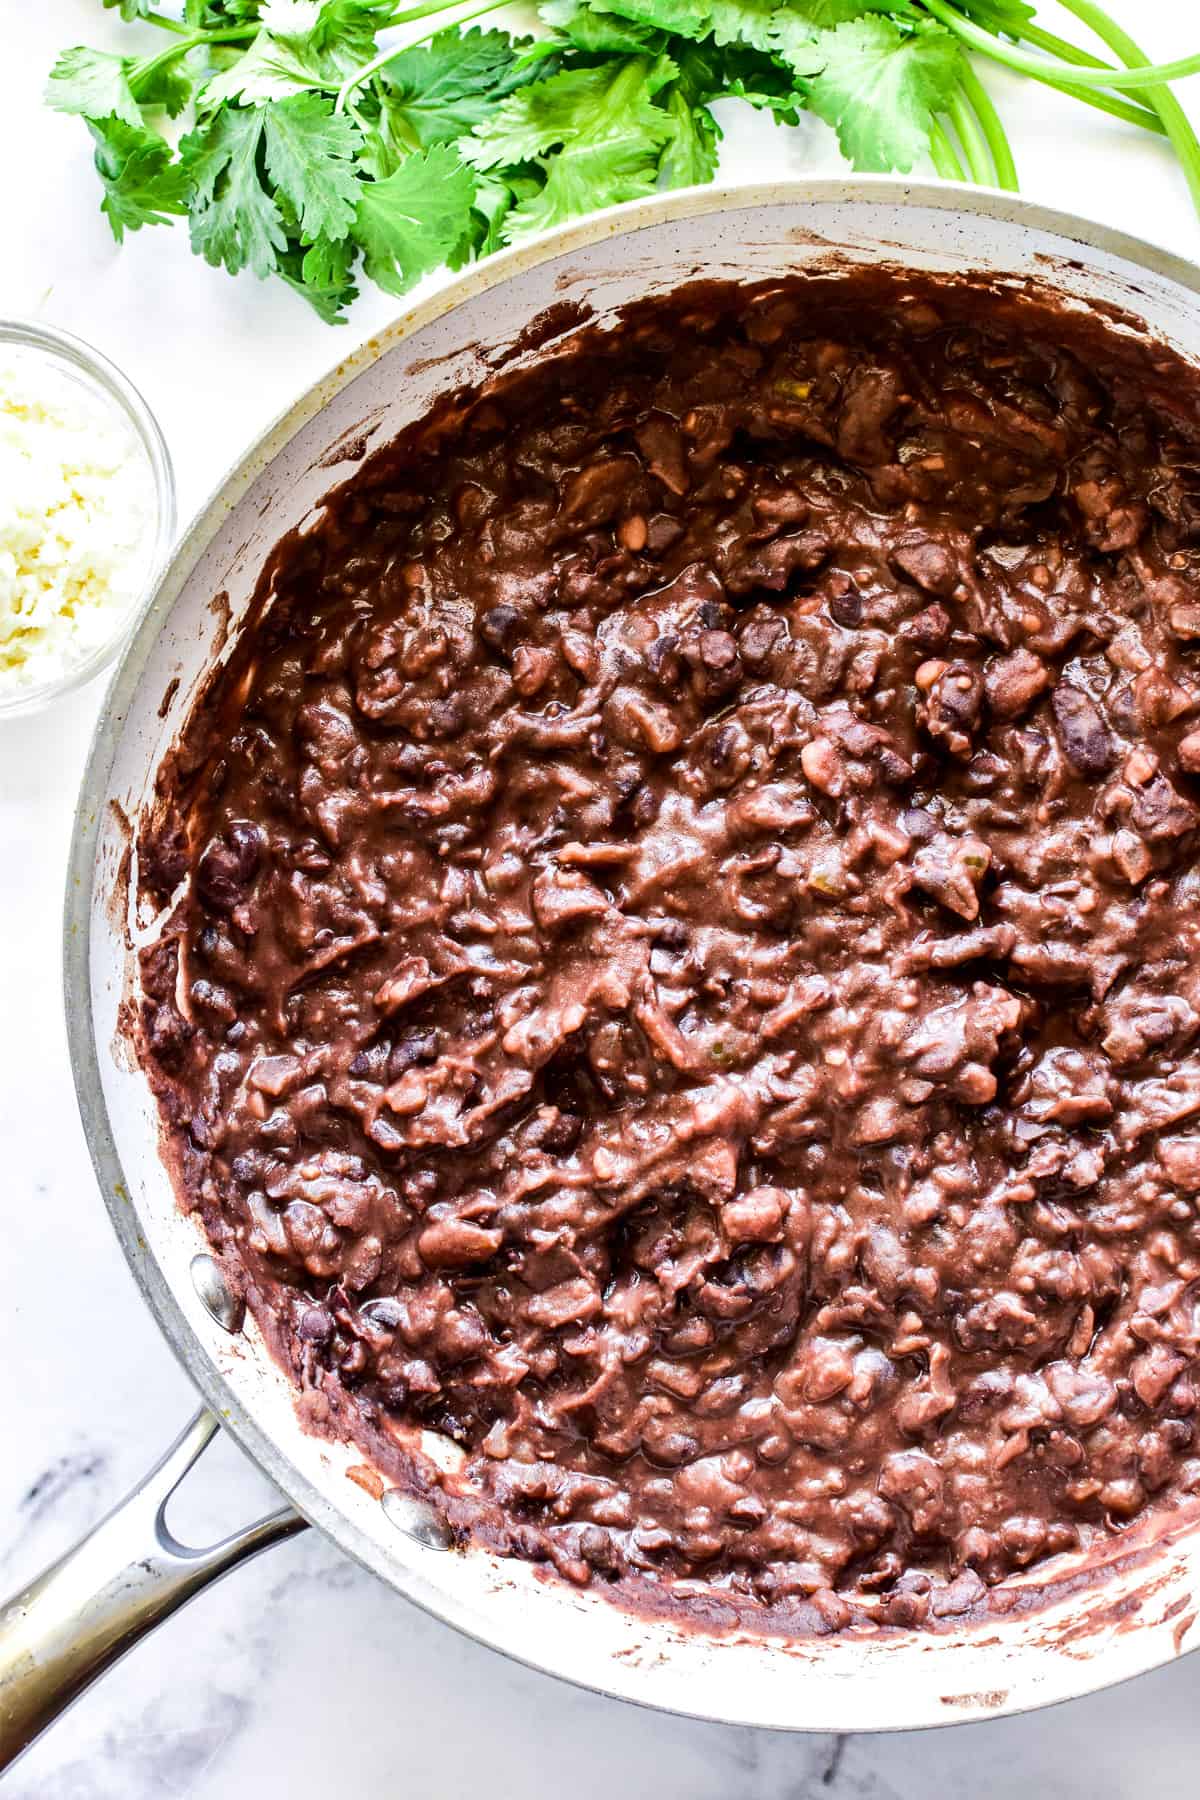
(836,1684)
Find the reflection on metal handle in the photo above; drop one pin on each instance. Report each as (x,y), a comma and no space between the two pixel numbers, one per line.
(80,1615)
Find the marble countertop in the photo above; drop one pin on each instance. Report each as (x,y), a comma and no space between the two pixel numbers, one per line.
(301,1670)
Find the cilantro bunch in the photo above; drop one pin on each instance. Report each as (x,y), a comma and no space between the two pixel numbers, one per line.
(306,139)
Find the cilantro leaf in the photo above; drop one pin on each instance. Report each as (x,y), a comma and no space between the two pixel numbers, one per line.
(310,153)
(582,177)
(130,9)
(588,28)
(793,36)
(234,222)
(495,198)
(594,132)
(440,91)
(690,153)
(345,30)
(169,84)
(271,69)
(794,42)
(377,157)
(784,106)
(330,37)
(707,73)
(601,103)
(411,222)
(998,15)
(215,15)
(609,135)
(824,15)
(323,274)
(95,84)
(726,21)
(680,18)
(880,88)
(142,184)
(743,22)
(302,44)
(536,119)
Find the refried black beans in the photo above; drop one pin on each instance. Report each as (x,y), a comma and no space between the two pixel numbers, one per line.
(689,985)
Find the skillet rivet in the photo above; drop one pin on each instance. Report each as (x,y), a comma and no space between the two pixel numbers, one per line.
(219,1301)
(416,1519)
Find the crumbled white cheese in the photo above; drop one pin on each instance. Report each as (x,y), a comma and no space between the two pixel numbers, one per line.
(77,511)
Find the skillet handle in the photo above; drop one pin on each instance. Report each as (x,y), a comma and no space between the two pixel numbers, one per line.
(78,1617)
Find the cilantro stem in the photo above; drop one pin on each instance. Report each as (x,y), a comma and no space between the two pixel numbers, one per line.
(1025,30)
(410,14)
(149,65)
(228,34)
(359,119)
(355,80)
(1129,110)
(971,139)
(945,157)
(1175,121)
(165,24)
(185,41)
(1108,103)
(1147,76)
(1056,46)
(993,129)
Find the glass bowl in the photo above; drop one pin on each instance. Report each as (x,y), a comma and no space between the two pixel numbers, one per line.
(108,388)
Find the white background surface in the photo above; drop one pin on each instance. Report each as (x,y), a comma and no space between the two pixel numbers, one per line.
(301,1672)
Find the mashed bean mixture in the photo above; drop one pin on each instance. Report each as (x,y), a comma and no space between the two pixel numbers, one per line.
(689,985)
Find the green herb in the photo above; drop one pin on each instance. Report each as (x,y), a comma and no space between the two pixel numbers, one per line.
(95,85)
(881,88)
(439,92)
(142,186)
(411,221)
(234,220)
(588,131)
(318,143)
